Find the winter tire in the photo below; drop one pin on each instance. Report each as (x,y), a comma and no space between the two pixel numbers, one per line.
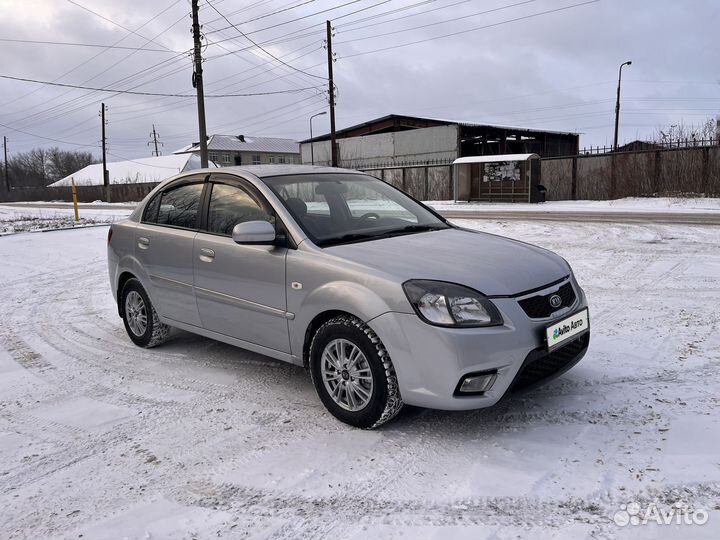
(353,373)
(141,320)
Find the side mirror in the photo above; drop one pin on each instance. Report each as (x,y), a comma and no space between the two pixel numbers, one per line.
(254,232)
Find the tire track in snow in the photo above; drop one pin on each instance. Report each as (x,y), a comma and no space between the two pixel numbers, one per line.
(22,353)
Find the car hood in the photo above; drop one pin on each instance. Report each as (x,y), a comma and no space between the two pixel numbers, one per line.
(491,264)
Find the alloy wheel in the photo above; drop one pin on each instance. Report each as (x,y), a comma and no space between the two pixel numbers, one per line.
(346,375)
(136,313)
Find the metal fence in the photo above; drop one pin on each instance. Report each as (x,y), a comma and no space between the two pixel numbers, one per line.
(113,193)
(645,146)
(424,180)
(664,171)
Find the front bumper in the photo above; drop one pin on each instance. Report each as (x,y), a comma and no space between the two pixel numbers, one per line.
(430,361)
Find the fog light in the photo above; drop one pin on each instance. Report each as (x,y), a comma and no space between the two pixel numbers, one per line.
(477,384)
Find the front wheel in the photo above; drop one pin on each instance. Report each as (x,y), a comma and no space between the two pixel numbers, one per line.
(141,320)
(353,373)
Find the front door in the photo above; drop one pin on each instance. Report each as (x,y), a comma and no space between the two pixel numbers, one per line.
(240,289)
(164,247)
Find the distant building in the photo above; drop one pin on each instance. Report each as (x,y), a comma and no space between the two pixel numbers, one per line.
(229,150)
(397,139)
(133,171)
(638,146)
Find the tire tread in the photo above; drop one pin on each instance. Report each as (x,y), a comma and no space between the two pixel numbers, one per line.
(394,400)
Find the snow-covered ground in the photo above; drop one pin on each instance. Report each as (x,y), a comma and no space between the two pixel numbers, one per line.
(630,204)
(196,439)
(15,219)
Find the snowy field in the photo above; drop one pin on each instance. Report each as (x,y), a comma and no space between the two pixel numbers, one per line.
(198,440)
(15,219)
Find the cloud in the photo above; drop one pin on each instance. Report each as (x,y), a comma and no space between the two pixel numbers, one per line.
(556,71)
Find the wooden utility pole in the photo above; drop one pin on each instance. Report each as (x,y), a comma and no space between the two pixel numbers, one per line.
(7,178)
(331,91)
(198,84)
(106,175)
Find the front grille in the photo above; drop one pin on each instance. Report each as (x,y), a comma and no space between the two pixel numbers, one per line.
(538,307)
(538,366)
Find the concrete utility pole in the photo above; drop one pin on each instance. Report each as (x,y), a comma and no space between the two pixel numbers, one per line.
(154,141)
(331,89)
(198,84)
(617,105)
(106,175)
(7,178)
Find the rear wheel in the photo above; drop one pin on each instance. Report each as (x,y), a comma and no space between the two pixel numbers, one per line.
(353,373)
(141,320)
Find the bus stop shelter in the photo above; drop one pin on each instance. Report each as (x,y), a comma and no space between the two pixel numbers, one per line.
(500,178)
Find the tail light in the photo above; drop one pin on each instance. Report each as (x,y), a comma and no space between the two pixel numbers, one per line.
(110,234)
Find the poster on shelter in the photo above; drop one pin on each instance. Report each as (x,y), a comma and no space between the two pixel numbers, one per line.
(497,172)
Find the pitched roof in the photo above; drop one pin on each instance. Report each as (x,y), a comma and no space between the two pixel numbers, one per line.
(400,122)
(242,143)
(133,171)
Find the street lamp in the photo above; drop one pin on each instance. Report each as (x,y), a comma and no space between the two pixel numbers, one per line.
(617,104)
(312,143)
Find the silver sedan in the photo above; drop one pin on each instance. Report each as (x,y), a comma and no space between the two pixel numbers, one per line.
(379,297)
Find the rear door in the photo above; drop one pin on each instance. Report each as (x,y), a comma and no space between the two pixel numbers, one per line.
(240,289)
(164,247)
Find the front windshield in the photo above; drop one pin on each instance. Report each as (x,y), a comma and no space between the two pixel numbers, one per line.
(342,208)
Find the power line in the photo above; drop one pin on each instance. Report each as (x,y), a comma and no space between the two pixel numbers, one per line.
(277,11)
(261,47)
(290,21)
(67,103)
(92,45)
(48,138)
(468,16)
(398,10)
(78,66)
(357,21)
(135,93)
(161,107)
(525,17)
(103,17)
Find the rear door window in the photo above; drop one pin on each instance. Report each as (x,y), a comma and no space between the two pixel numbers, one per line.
(151,210)
(179,207)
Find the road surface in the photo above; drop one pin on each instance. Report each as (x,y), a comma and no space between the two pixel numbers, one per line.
(610,216)
(100,439)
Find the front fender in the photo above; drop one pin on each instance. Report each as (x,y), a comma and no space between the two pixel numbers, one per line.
(353,298)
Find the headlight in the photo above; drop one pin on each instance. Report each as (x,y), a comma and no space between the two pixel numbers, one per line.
(447,304)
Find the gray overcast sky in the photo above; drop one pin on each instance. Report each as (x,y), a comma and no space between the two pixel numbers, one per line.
(554,71)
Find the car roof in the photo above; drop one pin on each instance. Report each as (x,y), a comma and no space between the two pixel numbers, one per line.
(266,171)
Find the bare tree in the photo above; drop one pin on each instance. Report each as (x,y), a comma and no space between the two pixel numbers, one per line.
(40,166)
(687,133)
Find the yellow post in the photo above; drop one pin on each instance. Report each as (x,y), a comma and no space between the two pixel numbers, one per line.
(74,195)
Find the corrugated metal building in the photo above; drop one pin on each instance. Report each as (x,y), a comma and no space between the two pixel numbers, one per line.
(399,140)
(226,150)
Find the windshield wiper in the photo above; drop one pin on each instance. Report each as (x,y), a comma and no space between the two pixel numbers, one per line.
(409,229)
(346,238)
(359,237)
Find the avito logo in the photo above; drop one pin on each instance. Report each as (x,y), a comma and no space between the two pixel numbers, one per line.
(574,325)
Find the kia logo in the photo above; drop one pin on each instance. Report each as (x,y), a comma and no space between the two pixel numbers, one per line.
(555,301)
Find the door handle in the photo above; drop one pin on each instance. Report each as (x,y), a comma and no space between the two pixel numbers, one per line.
(207,255)
(143,243)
